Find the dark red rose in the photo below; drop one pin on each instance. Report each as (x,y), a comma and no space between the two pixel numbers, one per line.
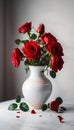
(26,27)
(56,63)
(41,29)
(47,38)
(16,57)
(55,49)
(31,50)
(54,105)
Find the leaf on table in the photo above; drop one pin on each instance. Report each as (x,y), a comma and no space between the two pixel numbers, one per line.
(18,99)
(13,106)
(44,107)
(61,109)
(24,107)
(59,100)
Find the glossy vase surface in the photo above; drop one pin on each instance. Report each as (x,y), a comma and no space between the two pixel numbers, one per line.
(37,87)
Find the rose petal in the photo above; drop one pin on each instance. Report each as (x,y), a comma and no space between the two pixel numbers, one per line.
(33,112)
(60,119)
(18,112)
(17,116)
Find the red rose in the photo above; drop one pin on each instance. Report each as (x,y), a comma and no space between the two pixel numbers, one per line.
(16,57)
(26,27)
(56,63)
(31,50)
(41,29)
(15,62)
(47,38)
(55,49)
(54,105)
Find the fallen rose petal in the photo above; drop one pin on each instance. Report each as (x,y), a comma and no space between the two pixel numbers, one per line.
(60,119)
(18,112)
(17,116)
(33,112)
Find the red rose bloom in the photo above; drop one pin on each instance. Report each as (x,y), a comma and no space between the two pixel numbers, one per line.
(40,48)
(41,29)
(25,27)
(47,38)
(31,50)
(56,63)
(16,57)
(54,105)
(55,49)
(15,62)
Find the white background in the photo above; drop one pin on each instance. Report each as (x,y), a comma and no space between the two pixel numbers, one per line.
(58,18)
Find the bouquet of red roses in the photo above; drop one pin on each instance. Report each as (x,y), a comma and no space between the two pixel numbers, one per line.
(40,48)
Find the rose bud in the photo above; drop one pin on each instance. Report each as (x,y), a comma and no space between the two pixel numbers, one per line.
(26,27)
(41,29)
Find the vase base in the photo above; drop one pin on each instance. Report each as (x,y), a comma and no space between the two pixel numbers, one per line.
(34,106)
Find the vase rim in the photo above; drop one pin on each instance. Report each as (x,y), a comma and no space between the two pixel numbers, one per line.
(37,66)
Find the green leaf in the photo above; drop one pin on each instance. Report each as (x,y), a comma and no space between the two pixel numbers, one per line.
(38,40)
(44,107)
(24,107)
(24,41)
(61,109)
(33,36)
(18,99)
(48,105)
(26,68)
(18,41)
(13,106)
(52,74)
(59,100)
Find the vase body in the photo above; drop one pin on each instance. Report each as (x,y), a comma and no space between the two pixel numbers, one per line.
(36,88)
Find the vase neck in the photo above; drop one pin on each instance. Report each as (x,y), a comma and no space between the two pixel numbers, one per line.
(36,71)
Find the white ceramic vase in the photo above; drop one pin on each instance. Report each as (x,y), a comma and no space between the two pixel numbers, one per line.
(37,87)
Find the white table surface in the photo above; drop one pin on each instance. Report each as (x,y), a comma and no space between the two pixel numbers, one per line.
(46,120)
